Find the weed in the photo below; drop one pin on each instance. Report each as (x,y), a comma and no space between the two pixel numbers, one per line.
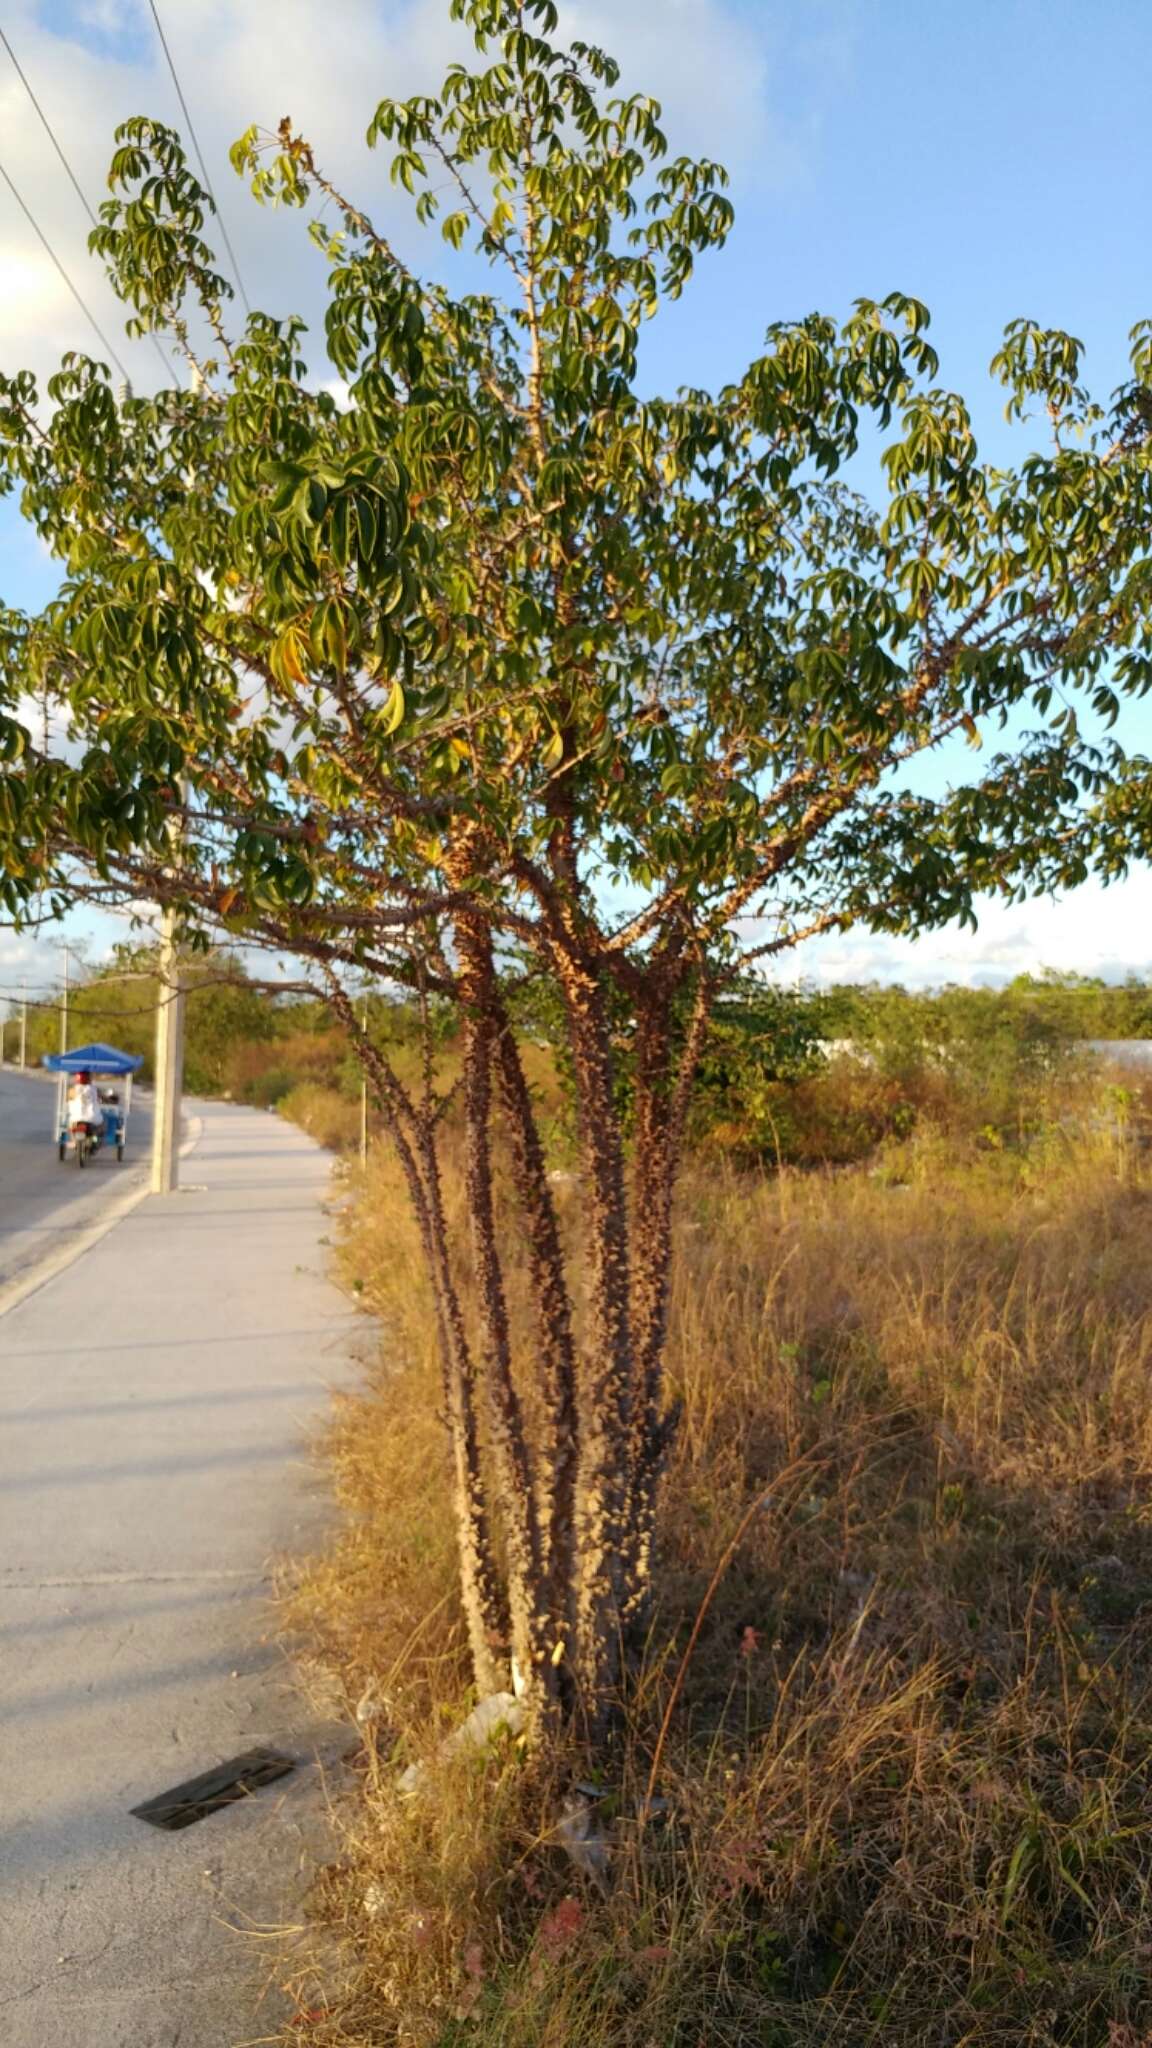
(900,1795)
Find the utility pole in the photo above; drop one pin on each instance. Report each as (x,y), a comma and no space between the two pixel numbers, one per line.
(364,1093)
(168,1085)
(64,1007)
(169,1082)
(23,1023)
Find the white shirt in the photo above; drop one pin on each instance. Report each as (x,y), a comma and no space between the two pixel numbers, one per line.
(84,1104)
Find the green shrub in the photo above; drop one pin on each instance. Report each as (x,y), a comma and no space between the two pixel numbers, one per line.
(331,1118)
(266,1090)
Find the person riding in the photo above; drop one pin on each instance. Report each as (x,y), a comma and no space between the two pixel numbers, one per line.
(84,1102)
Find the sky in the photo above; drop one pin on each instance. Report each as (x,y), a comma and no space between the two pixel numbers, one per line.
(993,157)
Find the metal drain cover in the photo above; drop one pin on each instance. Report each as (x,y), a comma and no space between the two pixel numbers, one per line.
(198,1797)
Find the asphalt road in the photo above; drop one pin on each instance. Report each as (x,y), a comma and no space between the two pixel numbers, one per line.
(43,1202)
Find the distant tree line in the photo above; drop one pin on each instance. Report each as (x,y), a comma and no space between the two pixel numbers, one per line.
(115,1004)
(243,1040)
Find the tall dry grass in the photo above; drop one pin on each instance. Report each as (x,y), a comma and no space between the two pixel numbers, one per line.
(904,1796)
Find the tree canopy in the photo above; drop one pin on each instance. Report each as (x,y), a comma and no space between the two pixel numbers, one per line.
(503,591)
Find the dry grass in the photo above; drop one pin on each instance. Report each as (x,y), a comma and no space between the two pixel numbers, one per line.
(332,1115)
(908,1775)
(332,1119)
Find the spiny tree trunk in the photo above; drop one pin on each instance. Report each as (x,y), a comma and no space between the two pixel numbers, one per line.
(653,1174)
(605,1390)
(532,1637)
(484,1608)
(416,1150)
(558,1451)
(662,1090)
(575,1506)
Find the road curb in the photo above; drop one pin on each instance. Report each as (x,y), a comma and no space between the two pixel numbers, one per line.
(19,1290)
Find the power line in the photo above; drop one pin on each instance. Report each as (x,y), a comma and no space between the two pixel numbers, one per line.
(83,1011)
(46,244)
(199,152)
(69,172)
(47,125)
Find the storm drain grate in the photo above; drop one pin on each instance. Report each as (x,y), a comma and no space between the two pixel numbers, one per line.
(198,1797)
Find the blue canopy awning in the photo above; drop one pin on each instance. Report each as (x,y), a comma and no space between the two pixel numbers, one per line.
(93,1059)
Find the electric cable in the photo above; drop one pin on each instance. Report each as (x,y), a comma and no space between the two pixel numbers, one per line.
(69,172)
(38,231)
(47,126)
(225,237)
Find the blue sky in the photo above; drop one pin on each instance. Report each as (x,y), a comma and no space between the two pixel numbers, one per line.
(994,158)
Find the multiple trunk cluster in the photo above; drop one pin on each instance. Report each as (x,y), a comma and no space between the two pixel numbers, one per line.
(557,1419)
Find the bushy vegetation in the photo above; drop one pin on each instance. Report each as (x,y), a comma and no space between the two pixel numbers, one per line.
(795,1077)
(900,1796)
(823,1077)
(788,1077)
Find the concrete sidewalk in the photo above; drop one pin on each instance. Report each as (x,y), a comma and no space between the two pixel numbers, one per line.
(154,1404)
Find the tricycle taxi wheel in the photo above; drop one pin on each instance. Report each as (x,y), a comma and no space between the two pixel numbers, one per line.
(120,1151)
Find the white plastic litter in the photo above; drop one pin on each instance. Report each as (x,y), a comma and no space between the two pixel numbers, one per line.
(499,1710)
(372,1704)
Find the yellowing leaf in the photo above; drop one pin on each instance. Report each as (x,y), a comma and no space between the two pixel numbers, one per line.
(285,658)
(394,708)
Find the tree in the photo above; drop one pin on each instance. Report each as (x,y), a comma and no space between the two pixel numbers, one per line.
(505,672)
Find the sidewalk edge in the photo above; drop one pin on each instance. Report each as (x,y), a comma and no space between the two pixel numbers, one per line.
(58,1262)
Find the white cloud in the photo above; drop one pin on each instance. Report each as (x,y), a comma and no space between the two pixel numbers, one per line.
(20,957)
(35,959)
(244,61)
(339,389)
(706,66)
(1093,931)
(107,17)
(35,298)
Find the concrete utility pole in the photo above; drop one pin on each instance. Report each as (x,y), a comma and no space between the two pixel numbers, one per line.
(23,1024)
(169,1083)
(364,1093)
(64,1007)
(169,1080)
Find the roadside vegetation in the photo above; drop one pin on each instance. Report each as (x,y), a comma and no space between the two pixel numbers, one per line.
(788,1077)
(508,680)
(795,1077)
(115,1004)
(899,1793)
(562,707)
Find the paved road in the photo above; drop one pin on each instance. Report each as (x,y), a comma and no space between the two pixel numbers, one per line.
(42,1203)
(155,1400)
